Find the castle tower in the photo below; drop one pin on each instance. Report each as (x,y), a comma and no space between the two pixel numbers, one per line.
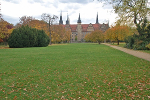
(79,30)
(67,21)
(97,19)
(60,21)
(79,20)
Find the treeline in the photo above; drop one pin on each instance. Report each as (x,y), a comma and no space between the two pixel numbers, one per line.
(135,38)
(58,32)
(116,33)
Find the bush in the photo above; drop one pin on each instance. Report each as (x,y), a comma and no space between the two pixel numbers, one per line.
(148,46)
(137,42)
(26,36)
(129,42)
(42,39)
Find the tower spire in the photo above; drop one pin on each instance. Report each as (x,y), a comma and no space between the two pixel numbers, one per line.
(60,21)
(67,21)
(79,20)
(97,19)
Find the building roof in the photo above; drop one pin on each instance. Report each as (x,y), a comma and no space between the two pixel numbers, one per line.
(73,27)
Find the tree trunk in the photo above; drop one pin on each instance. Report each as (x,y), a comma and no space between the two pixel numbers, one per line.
(117,42)
(99,42)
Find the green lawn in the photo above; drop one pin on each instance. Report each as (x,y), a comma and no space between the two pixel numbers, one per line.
(73,71)
(147,51)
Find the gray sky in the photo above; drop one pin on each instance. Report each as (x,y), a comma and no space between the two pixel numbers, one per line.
(13,9)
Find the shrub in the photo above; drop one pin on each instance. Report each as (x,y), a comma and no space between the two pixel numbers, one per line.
(42,39)
(129,42)
(137,42)
(148,46)
(26,36)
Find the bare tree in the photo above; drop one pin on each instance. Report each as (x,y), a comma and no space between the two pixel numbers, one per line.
(49,19)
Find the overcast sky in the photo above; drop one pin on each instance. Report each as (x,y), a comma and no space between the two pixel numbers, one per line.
(13,9)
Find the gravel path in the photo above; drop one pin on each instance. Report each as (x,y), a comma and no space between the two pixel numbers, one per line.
(139,54)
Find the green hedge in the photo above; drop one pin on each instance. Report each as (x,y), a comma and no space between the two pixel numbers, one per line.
(26,36)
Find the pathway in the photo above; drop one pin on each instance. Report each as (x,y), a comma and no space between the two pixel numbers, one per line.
(139,54)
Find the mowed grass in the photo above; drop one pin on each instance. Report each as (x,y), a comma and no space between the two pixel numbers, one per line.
(147,51)
(72,71)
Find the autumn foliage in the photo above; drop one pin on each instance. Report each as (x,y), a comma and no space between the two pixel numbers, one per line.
(58,32)
(5,30)
(117,33)
(95,36)
(1,40)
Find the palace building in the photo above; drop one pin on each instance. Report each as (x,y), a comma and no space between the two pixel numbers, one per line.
(80,30)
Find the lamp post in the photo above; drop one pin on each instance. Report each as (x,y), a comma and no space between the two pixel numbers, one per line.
(48,18)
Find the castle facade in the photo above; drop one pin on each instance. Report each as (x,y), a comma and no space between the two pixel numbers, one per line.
(80,30)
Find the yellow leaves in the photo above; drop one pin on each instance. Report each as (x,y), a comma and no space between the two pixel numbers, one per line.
(117,33)
(41,25)
(95,36)
(5,29)
(60,34)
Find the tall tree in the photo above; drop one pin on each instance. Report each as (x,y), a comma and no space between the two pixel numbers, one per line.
(49,19)
(131,11)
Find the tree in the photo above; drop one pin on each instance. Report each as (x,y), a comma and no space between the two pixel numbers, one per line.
(117,33)
(67,35)
(131,11)
(139,42)
(5,30)
(49,19)
(40,25)
(96,36)
(87,37)
(60,34)
(26,36)
(24,20)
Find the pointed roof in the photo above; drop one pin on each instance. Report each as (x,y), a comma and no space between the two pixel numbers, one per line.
(67,21)
(97,19)
(61,21)
(79,20)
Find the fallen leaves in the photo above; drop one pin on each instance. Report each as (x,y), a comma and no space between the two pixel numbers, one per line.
(15,98)
(25,89)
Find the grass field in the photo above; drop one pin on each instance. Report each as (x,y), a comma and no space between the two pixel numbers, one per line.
(147,51)
(72,71)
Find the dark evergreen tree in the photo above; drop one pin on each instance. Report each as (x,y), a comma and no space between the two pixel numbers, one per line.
(26,36)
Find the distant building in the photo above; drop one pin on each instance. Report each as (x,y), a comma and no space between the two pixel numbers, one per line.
(80,30)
